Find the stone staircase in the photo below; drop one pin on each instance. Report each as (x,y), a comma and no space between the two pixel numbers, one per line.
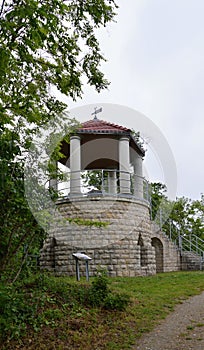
(186,253)
(191,261)
(165,247)
(192,252)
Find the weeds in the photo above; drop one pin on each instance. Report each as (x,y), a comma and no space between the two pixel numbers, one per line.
(43,300)
(54,312)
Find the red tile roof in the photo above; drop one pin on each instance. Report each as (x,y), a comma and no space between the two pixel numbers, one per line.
(100,126)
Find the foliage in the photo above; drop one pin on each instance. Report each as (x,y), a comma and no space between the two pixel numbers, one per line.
(89,223)
(158,191)
(99,289)
(18,228)
(138,139)
(186,218)
(95,180)
(117,301)
(101,295)
(44,46)
(182,216)
(18,308)
(42,300)
(56,308)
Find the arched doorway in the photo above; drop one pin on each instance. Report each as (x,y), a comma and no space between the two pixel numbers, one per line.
(157,244)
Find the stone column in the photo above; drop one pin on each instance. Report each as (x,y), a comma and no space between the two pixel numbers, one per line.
(75,165)
(112,182)
(138,176)
(53,181)
(124,164)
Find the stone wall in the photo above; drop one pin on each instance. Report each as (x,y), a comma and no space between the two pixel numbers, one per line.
(171,259)
(123,246)
(191,261)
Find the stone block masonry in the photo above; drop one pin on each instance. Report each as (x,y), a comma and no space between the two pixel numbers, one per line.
(118,240)
(167,253)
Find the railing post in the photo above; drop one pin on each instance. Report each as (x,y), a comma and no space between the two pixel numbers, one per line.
(170,228)
(78,183)
(102,181)
(201,263)
(180,242)
(160,218)
(150,208)
(87,270)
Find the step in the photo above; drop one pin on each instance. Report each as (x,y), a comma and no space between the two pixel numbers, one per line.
(191,261)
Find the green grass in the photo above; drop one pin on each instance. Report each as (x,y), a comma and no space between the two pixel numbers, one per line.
(64,319)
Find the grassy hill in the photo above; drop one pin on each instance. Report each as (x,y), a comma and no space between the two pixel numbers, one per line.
(46,312)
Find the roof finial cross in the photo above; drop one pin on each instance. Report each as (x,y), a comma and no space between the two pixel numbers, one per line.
(96,111)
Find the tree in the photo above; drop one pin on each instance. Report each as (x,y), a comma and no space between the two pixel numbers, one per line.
(158,191)
(95,180)
(18,228)
(44,45)
(186,218)
(197,217)
(180,217)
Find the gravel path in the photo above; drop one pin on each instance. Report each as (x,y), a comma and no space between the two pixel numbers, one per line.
(182,329)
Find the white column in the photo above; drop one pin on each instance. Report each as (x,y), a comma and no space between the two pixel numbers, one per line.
(138,176)
(112,182)
(124,165)
(53,181)
(75,164)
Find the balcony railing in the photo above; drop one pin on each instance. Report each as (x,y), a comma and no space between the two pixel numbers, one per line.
(102,182)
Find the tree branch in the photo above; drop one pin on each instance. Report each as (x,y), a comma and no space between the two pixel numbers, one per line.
(2,7)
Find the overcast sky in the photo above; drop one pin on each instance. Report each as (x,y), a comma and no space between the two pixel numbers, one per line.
(155,63)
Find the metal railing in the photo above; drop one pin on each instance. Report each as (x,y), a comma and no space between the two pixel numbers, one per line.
(185,242)
(102,182)
(192,243)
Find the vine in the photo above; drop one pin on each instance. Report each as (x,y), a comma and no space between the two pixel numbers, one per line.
(91,223)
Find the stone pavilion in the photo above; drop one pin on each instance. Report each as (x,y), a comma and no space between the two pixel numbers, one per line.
(103,207)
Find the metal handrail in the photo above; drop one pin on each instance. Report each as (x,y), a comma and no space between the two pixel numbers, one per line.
(195,245)
(103,185)
(185,242)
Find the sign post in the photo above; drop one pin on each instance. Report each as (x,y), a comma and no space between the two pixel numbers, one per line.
(81,256)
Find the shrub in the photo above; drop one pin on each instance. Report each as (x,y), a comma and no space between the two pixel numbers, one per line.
(116,302)
(42,299)
(99,289)
(101,295)
(16,310)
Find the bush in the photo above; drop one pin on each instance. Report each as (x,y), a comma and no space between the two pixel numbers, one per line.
(101,295)
(42,299)
(19,306)
(116,302)
(16,310)
(99,289)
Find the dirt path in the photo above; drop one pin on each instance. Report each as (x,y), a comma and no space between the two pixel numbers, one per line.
(182,329)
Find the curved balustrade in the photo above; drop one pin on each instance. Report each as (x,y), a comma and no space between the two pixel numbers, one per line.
(103,182)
